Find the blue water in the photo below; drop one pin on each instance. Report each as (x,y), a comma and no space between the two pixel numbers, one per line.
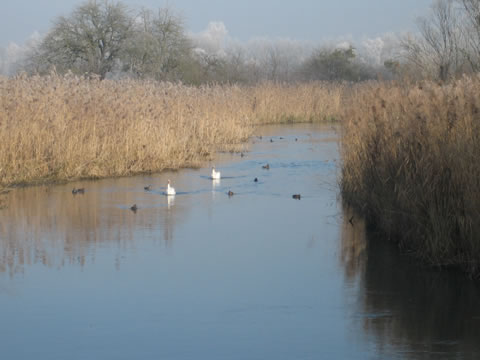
(202,275)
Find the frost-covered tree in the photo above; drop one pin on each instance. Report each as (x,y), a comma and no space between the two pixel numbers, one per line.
(90,40)
(159,47)
(436,51)
(471,32)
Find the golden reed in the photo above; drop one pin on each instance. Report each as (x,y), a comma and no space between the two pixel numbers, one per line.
(411,164)
(57,128)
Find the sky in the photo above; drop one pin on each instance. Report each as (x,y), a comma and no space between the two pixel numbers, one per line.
(309,20)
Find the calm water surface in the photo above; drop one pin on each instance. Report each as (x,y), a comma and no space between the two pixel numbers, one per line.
(201,275)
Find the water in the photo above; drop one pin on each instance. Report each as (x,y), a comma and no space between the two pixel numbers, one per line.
(258,275)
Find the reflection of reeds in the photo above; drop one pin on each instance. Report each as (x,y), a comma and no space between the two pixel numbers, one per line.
(410,163)
(53,227)
(60,128)
(353,244)
(414,309)
(405,306)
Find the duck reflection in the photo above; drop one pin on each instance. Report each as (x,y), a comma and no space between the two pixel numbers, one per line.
(417,310)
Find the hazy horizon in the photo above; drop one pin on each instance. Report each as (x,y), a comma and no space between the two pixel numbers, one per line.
(303,20)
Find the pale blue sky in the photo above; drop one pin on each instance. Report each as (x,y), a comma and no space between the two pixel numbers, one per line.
(313,20)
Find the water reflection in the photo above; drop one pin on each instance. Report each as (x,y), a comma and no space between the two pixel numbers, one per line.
(168,221)
(353,252)
(419,312)
(49,225)
(215,183)
(170,201)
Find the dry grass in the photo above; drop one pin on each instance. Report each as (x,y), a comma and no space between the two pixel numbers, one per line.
(312,102)
(411,164)
(61,128)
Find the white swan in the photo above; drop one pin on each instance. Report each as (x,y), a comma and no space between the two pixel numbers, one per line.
(215,174)
(170,189)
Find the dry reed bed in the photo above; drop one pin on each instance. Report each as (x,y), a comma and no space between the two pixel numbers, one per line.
(65,127)
(411,164)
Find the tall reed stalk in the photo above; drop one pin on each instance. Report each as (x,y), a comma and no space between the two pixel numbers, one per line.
(411,164)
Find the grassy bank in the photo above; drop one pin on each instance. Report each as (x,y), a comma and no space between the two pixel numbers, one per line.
(61,128)
(411,164)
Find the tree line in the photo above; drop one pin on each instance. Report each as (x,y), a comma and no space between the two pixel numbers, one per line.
(106,38)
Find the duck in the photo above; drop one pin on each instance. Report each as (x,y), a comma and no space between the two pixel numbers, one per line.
(230,193)
(147,188)
(215,174)
(267,167)
(170,189)
(297,196)
(134,208)
(255,180)
(78,191)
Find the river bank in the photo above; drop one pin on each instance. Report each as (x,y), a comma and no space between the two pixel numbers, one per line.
(61,128)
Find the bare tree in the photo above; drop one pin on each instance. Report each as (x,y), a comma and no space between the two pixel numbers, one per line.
(159,46)
(272,62)
(437,49)
(471,32)
(103,36)
(90,40)
(277,60)
(331,65)
(236,65)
